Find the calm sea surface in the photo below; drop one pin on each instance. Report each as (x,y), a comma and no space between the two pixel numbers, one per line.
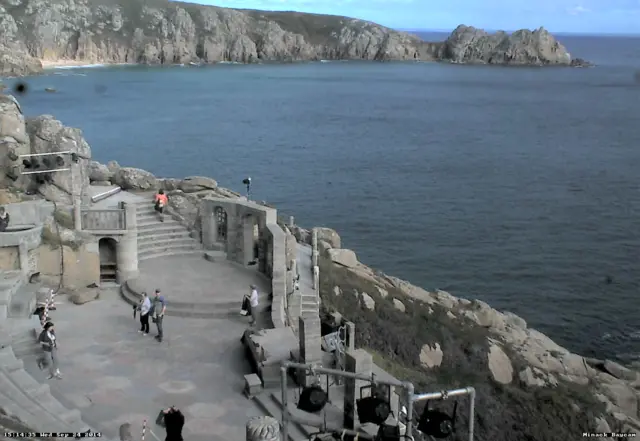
(517,186)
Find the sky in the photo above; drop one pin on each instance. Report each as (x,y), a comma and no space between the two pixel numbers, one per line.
(571,16)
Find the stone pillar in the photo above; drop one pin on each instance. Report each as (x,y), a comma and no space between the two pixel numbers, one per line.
(314,240)
(292,222)
(77,213)
(314,258)
(247,236)
(360,362)
(127,248)
(310,336)
(209,226)
(23,254)
(263,428)
(350,328)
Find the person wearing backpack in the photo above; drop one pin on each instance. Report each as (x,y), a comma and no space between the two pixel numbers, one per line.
(49,345)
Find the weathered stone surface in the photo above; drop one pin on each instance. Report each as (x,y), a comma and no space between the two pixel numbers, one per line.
(431,356)
(382,292)
(197,183)
(622,396)
(264,428)
(368,301)
(330,236)
(619,371)
(125,432)
(99,172)
(500,365)
(130,178)
(342,257)
(399,305)
(84,296)
(337,291)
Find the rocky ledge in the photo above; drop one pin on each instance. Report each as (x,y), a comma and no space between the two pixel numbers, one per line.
(529,387)
(163,32)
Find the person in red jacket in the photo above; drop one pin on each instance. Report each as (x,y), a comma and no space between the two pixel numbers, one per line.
(161,201)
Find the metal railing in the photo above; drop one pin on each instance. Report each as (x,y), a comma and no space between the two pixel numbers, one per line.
(105,219)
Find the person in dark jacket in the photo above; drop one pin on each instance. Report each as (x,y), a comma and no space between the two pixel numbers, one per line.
(173,422)
(4,219)
(49,345)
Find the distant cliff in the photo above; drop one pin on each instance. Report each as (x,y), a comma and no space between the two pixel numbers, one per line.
(467,44)
(162,32)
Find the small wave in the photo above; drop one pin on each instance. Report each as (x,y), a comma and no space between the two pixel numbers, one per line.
(229,62)
(325,61)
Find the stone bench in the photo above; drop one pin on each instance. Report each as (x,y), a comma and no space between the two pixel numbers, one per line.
(252,385)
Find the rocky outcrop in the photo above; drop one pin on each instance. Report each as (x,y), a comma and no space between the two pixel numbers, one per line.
(467,44)
(439,340)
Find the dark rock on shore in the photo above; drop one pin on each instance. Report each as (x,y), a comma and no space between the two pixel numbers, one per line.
(467,44)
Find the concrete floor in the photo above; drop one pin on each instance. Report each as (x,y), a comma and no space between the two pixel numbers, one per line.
(114,375)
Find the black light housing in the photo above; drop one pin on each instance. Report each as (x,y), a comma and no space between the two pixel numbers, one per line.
(387,432)
(59,161)
(312,399)
(11,154)
(373,409)
(31,164)
(436,423)
(75,158)
(246,181)
(47,162)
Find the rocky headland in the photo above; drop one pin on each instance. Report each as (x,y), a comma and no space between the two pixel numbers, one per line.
(529,388)
(33,32)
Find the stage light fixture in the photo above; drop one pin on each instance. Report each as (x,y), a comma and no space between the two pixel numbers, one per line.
(59,161)
(388,432)
(436,423)
(312,399)
(11,154)
(373,409)
(47,162)
(75,158)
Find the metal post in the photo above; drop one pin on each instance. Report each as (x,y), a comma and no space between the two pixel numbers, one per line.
(285,405)
(409,429)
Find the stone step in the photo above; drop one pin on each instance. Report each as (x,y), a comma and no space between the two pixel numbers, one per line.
(165,235)
(162,228)
(9,361)
(215,256)
(41,396)
(163,241)
(171,253)
(211,311)
(169,248)
(34,414)
(264,402)
(155,223)
(23,301)
(10,282)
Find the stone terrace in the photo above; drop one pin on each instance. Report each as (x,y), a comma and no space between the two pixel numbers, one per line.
(114,375)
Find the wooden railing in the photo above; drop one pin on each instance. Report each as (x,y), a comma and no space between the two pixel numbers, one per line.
(108,219)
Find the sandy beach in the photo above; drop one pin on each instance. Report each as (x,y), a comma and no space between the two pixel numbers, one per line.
(49,64)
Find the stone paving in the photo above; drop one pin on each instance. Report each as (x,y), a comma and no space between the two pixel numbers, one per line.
(194,279)
(114,375)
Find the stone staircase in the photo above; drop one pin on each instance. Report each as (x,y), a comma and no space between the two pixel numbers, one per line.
(21,395)
(158,239)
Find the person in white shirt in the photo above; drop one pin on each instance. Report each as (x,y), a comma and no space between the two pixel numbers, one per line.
(253,303)
(145,307)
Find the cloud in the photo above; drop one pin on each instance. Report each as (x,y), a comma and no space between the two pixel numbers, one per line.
(578,10)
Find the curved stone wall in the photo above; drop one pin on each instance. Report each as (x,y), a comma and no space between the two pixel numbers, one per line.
(30,235)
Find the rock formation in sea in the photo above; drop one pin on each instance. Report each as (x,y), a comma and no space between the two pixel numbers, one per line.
(529,387)
(163,32)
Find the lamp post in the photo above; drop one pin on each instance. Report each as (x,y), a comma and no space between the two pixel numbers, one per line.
(247,182)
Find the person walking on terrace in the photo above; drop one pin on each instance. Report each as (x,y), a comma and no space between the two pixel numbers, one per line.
(161,201)
(159,308)
(144,308)
(253,304)
(50,346)
(4,219)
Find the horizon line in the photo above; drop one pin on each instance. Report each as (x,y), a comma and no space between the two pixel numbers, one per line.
(567,33)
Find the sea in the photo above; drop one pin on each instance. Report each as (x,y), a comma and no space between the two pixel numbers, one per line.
(516,186)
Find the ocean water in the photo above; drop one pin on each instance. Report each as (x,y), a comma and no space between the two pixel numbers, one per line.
(517,186)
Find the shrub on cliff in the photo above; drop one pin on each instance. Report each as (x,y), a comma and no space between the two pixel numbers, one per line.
(503,412)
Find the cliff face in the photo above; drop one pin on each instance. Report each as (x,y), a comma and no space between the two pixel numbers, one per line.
(158,32)
(467,44)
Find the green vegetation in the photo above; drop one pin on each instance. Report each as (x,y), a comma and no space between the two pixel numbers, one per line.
(64,218)
(51,238)
(503,412)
